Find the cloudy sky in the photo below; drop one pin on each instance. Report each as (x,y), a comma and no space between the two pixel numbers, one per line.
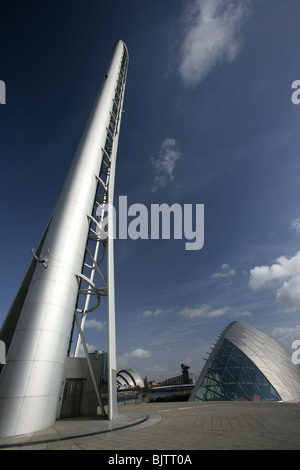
(209,120)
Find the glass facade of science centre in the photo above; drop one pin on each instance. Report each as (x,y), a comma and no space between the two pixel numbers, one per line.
(233,376)
(246,364)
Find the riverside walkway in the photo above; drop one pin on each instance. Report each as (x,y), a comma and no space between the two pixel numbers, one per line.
(175,426)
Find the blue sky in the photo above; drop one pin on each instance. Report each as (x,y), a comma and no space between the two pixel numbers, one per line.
(209,120)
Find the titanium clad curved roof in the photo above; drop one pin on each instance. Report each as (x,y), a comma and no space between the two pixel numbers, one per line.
(269,356)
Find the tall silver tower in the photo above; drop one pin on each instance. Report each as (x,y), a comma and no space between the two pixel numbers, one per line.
(38,327)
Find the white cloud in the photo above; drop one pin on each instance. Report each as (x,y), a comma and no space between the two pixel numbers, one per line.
(205,311)
(286,273)
(295,226)
(212,35)
(90,347)
(129,358)
(281,332)
(158,311)
(225,271)
(147,313)
(164,164)
(138,354)
(288,295)
(283,269)
(95,324)
(245,313)
(286,336)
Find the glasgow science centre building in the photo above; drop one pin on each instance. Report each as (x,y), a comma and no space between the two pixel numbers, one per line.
(246,364)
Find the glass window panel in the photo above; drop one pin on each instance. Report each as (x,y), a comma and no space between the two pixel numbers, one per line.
(226,346)
(243,378)
(239,360)
(249,386)
(258,392)
(247,363)
(222,360)
(274,395)
(240,393)
(200,393)
(235,372)
(226,376)
(259,377)
(265,392)
(251,374)
(233,376)
(230,389)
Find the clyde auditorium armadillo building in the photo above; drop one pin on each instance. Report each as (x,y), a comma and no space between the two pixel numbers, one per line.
(129,378)
(247,365)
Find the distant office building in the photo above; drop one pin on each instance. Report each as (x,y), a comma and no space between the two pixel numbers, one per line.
(184,379)
(246,364)
(104,365)
(185,374)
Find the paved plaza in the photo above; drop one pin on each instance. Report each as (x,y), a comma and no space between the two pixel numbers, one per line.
(175,426)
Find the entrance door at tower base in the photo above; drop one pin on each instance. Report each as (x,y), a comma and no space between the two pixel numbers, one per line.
(78,396)
(73,398)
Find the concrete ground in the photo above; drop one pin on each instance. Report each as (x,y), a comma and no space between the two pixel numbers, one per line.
(175,426)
